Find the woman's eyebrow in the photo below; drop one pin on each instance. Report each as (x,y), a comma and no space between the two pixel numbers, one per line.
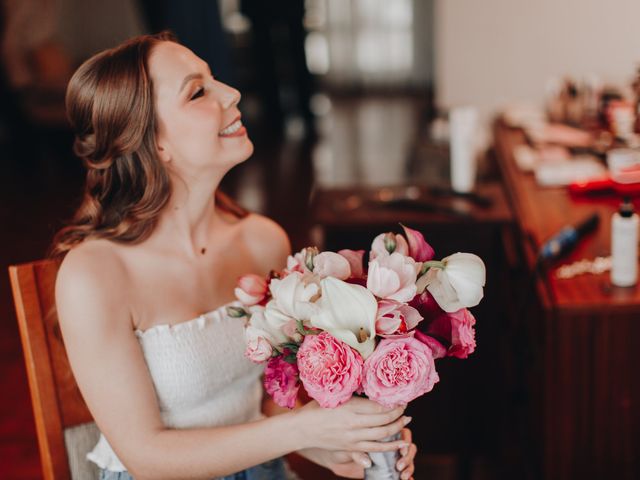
(188,78)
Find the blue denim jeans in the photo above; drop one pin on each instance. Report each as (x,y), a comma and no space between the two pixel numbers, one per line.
(271,470)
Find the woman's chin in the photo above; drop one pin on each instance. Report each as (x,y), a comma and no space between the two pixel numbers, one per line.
(244,152)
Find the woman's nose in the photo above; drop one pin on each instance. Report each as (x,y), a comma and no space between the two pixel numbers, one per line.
(228,96)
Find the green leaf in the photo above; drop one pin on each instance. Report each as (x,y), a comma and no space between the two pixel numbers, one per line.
(300,327)
(237,312)
(292,359)
(291,346)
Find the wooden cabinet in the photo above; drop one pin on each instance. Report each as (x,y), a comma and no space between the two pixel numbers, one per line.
(589,349)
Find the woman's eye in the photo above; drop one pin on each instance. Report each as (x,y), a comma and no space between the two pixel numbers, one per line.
(198,94)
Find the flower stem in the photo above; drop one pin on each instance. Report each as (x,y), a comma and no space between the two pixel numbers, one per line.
(431,264)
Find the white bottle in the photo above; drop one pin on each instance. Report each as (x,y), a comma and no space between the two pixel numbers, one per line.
(624,246)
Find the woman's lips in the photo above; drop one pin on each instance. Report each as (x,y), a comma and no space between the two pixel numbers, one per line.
(235,129)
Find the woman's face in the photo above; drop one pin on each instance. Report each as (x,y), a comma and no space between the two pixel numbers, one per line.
(198,120)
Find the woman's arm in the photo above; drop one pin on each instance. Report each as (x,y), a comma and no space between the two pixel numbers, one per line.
(106,358)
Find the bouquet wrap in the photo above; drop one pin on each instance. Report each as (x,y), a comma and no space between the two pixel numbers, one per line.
(383,464)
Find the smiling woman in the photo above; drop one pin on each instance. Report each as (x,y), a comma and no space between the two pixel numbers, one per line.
(150,261)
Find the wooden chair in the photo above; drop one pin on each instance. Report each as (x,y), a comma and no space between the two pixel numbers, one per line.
(65,429)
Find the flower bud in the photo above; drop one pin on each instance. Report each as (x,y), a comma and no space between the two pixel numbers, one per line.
(309,255)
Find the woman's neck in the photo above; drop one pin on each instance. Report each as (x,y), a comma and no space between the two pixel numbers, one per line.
(189,217)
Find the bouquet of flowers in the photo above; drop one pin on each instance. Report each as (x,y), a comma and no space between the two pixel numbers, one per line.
(334,328)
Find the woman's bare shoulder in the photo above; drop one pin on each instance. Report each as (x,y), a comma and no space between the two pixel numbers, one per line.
(267,241)
(93,256)
(91,274)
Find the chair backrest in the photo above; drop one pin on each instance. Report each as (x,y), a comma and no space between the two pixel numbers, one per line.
(64,425)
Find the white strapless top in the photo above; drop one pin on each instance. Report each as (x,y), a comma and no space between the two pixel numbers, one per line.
(200,374)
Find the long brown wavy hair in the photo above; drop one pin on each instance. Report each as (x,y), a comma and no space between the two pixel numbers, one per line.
(110,107)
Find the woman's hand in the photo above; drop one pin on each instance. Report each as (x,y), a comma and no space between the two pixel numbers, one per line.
(407,456)
(356,426)
(352,464)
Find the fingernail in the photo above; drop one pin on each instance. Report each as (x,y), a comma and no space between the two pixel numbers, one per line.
(400,465)
(366,463)
(404,451)
(407,420)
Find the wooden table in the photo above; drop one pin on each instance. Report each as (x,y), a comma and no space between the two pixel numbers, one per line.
(590,388)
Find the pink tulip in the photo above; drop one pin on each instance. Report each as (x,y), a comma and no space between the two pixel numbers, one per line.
(393,277)
(426,306)
(388,243)
(395,318)
(438,350)
(330,264)
(281,382)
(398,371)
(252,289)
(355,259)
(419,249)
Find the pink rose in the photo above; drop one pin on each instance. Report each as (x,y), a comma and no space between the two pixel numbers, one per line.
(454,330)
(330,264)
(398,371)
(258,347)
(330,370)
(354,257)
(463,335)
(395,318)
(388,243)
(393,277)
(252,289)
(419,249)
(281,381)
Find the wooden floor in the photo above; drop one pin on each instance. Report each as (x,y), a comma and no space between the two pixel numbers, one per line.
(364,140)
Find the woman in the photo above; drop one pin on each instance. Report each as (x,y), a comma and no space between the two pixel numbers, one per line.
(153,245)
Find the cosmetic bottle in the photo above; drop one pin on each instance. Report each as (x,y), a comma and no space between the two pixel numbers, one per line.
(624,246)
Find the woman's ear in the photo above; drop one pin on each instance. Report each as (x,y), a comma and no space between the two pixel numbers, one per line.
(163,152)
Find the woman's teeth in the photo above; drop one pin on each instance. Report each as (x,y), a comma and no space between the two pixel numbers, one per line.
(231,129)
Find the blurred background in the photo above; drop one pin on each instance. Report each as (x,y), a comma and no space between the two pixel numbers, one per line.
(478,123)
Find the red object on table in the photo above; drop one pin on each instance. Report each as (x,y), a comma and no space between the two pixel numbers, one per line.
(604,185)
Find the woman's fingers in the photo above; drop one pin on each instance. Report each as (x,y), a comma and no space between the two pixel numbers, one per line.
(405,464)
(408,472)
(374,420)
(361,459)
(407,436)
(379,433)
(369,446)
(368,407)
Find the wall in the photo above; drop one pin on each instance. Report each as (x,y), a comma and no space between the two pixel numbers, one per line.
(86,27)
(490,52)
